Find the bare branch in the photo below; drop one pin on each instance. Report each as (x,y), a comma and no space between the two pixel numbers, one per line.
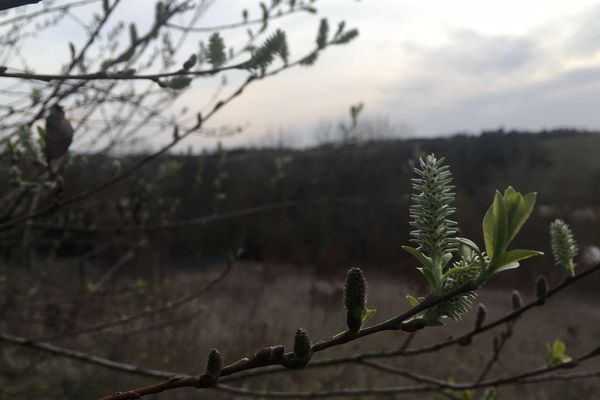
(8,4)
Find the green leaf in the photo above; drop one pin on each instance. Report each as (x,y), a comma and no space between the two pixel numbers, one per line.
(412,300)
(323,34)
(430,277)
(276,44)
(506,267)
(346,37)
(495,226)
(423,259)
(558,353)
(519,209)
(367,314)
(469,243)
(511,257)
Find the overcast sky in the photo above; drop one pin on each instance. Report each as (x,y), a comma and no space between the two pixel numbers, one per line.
(436,66)
(442,66)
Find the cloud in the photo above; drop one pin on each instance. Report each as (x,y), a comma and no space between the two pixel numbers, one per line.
(470,52)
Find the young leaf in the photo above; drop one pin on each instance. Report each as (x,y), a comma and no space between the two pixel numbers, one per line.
(558,353)
(346,37)
(367,314)
(495,226)
(323,33)
(511,258)
(423,259)
(412,300)
(469,243)
(519,208)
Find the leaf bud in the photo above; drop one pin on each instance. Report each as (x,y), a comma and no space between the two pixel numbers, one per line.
(481,314)
(516,300)
(541,289)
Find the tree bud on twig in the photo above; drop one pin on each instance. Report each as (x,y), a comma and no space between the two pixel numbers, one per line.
(516,300)
(355,293)
(213,366)
(302,348)
(481,314)
(541,289)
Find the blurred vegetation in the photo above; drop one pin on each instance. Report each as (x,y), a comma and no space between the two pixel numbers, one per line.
(356,196)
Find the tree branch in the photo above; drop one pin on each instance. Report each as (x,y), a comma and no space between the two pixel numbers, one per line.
(8,4)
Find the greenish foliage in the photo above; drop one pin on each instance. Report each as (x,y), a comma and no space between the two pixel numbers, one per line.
(564,246)
(437,244)
(557,353)
(434,231)
(216,50)
(323,34)
(263,56)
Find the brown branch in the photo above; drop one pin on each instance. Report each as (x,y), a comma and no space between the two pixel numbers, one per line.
(200,220)
(529,377)
(84,357)
(236,25)
(262,358)
(257,362)
(61,8)
(8,4)
(119,75)
(402,351)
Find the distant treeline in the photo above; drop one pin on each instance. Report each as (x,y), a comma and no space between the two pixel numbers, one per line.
(349,202)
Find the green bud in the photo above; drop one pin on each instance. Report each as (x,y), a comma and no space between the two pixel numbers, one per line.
(355,293)
(541,289)
(213,366)
(302,347)
(516,300)
(481,314)
(564,247)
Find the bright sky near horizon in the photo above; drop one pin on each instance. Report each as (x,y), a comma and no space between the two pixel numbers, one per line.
(436,66)
(441,66)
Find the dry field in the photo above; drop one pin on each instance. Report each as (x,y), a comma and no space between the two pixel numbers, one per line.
(256,306)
